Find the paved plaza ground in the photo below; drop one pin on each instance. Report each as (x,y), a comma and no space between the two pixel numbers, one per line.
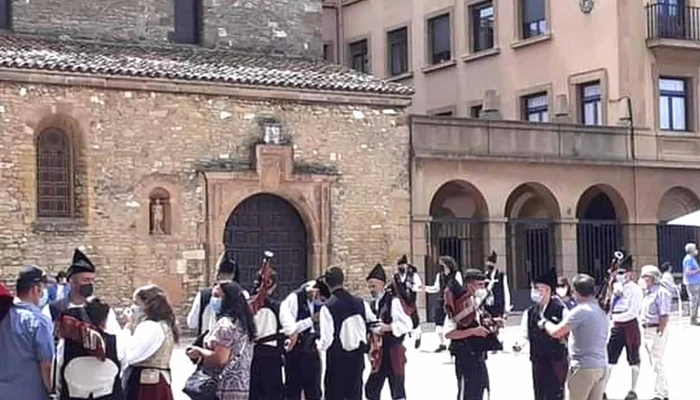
(431,376)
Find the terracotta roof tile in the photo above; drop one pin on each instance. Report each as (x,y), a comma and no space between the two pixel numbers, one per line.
(187,63)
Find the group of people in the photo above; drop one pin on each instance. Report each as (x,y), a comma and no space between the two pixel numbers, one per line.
(253,346)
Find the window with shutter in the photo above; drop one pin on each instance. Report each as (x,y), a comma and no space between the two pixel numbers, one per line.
(54,175)
(187,21)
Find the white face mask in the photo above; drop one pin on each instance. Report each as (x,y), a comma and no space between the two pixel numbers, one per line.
(621,278)
(535,295)
(643,283)
(561,292)
(481,293)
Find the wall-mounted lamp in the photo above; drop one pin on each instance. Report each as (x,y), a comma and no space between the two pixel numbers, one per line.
(271,131)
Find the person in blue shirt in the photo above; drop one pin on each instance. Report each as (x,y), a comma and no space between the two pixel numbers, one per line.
(26,341)
(691,280)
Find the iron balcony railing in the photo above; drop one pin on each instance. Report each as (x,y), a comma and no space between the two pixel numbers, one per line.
(670,21)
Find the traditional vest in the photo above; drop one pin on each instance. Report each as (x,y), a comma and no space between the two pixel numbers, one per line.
(382,309)
(444,281)
(267,322)
(83,376)
(307,339)
(57,308)
(159,362)
(348,313)
(541,344)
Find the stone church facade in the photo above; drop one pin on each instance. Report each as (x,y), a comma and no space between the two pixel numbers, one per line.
(154,157)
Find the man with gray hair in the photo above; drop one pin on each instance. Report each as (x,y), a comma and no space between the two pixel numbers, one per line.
(691,280)
(588,325)
(656,308)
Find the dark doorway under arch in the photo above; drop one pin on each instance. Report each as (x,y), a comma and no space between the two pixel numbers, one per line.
(268,222)
(599,234)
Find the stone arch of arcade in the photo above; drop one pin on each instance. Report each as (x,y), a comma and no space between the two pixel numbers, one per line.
(602,213)
(532,213)
(262,222)
(457,228)
(671,239)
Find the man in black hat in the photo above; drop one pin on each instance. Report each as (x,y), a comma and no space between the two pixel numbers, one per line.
(395,324)
(81,278)
(626,308)
(498,302)
(201,317)
(299,315)
(548,355)
(408,285)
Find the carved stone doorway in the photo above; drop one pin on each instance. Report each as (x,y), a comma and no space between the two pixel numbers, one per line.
(268,222)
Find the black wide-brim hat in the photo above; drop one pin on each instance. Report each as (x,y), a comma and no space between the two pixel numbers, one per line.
(548,278)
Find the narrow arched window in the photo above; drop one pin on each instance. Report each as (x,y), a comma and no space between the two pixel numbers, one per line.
(54,174)
(159,212)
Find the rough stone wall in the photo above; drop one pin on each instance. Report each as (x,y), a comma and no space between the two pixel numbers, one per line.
(287,26)
(133,141)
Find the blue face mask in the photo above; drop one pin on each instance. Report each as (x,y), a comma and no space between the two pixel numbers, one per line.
(215,304)
(44,298)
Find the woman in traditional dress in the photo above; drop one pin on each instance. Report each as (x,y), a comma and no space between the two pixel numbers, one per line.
(153,330)
(229,345)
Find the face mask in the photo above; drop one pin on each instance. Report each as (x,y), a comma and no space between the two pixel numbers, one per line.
(402,269)
(481,293)
(643,284)
(561,292)
(86,290)
(318,302)
(535,296)
(136,312)
(44,298)
(215,304)
(620,278)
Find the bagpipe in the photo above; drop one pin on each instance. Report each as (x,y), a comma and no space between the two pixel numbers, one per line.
(263,284)
(606,291)
(376,341)
(468,312)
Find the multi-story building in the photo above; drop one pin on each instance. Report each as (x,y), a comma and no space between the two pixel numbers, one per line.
(155,134)
(576,126)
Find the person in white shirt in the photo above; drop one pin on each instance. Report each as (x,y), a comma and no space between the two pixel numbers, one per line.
(396,323)
(343,324)
(408,279)
(299,315)
(498,302)
(626,306)
(149,338)
(202,317)
(449,271)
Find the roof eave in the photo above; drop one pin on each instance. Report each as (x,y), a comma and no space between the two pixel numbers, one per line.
(121,82)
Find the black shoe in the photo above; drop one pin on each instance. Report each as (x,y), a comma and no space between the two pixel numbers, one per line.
(605,396)
(418,343)
(441,348)
(631,396)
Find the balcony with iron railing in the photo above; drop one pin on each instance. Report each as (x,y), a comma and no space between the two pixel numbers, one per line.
(671,25)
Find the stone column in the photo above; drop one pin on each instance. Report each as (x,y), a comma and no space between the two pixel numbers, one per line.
(643,243)
(567,248)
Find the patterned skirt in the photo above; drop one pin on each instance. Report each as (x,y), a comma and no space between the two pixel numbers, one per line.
(138,391)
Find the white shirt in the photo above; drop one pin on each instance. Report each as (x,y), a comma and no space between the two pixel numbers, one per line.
(289,309)
(506,290)
(147,338)
(401,323)
(417,282)
(626,301)
(355,333)
(435,288)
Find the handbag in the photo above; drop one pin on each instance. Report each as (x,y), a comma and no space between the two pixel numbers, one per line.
(202,384)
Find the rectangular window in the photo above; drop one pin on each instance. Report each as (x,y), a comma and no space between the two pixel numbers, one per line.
(6,14)
(536,107)
(187,21)
(532,14)
(359,56)
(397,41)
(673,104)
(444,114)
(475,111)
(591,101)
(439,39)
(328,52)
(482,19)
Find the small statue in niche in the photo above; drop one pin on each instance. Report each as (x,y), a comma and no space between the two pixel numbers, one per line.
(157,217)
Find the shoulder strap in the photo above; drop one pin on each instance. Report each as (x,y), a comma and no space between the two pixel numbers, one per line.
(204,299)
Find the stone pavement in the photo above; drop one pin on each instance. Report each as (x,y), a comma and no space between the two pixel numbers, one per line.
(431,376)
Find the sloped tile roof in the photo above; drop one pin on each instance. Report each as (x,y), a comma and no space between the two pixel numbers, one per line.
(187,63)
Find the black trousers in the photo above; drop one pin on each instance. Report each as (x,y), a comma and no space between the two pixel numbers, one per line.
(303,374)
(266,374)
(472,375)
(375,381)
(549,377)
(627,336)
(343,380)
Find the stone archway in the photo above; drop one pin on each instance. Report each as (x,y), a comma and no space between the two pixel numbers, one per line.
(671,239)
(531,238)
(268,222)
(601,212)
